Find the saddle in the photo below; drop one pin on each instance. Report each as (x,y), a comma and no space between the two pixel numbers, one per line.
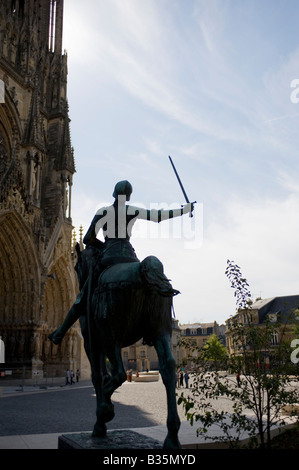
(121,284)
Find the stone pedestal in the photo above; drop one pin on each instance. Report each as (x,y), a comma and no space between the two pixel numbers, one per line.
(121,439)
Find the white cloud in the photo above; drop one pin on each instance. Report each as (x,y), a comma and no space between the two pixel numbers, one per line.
(138,46)
(211,18)
(262,238)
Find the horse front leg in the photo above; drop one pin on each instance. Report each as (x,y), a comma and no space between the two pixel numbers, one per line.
(99,429)
(98,368)
(167,370)
(118,374)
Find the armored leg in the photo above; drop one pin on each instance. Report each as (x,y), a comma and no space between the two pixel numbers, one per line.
(73,315)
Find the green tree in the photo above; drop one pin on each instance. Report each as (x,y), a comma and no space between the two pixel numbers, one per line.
(214,350)
(256,401)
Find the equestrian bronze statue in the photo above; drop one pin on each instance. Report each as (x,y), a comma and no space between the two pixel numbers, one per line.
(121,301)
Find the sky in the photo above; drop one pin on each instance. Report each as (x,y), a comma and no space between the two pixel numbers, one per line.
(215,85)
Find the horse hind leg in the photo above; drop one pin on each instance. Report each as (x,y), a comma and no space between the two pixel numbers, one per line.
(167,370)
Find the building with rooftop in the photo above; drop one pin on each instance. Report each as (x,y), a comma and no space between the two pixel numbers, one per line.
(282,310)
(199,334)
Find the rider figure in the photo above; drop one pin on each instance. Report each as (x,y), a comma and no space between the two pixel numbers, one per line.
(116,222)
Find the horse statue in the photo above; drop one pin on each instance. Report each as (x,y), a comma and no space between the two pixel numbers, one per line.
(126,302)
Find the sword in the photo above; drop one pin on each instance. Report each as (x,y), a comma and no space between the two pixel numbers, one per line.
(180,183)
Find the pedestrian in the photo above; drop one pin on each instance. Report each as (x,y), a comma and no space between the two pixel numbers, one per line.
(72,377)
(67,377)
(178,379)
(238,379)
(181,379)
(186,377)
(77,375)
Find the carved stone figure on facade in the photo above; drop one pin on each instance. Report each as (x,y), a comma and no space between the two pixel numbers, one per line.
(33,177)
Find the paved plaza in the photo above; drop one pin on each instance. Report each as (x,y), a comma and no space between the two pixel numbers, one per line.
(34,418)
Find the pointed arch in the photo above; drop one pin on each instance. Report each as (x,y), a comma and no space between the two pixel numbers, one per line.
(20,273)
(60,293)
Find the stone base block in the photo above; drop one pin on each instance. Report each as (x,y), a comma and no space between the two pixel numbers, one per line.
(120,439)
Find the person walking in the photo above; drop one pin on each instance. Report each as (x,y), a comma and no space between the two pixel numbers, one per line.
(77,375)
(178,379)
(181,379)
(186,377)
(67,377)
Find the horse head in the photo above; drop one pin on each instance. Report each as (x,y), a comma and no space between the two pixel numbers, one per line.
(79,266)
(86,259)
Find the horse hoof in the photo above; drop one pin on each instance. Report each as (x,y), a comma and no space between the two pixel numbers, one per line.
(171,443)
(99,430)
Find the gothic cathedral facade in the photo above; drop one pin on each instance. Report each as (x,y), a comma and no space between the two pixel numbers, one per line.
(37,278)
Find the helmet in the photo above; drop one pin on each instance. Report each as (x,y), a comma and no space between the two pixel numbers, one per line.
(123,188)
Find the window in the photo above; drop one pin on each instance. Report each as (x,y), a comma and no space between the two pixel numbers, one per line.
(52,25)
(274,340)
(13,6)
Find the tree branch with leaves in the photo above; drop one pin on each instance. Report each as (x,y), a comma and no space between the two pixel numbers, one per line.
(256,400)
